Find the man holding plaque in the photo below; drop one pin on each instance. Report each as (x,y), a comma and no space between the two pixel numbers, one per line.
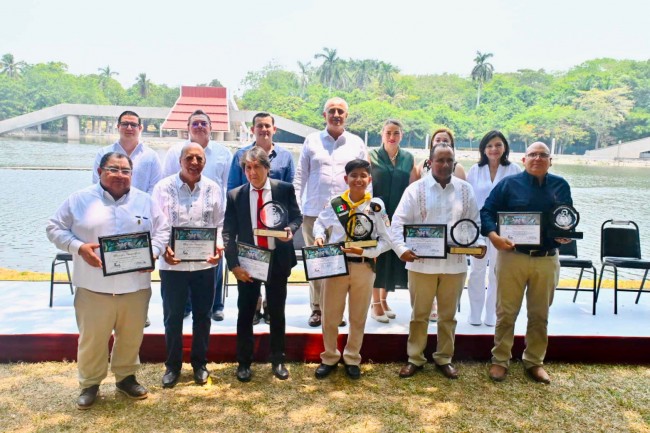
(193,205)
(525,267)
(248,226)
(360,222)
(217,167)
(108,305)
(429,209)
(319,177)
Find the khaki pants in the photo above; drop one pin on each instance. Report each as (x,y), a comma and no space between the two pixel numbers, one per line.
(315,287)
(536,278)
(100,315)
(423,288)
(357,287)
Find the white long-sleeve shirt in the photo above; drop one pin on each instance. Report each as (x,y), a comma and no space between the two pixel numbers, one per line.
(217,163)
(327,218)
(482,184)
(321,168)
(92,212)
(426,202)
(147,170)
(203,207)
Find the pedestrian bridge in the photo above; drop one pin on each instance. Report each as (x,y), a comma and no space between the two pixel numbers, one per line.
(72,112)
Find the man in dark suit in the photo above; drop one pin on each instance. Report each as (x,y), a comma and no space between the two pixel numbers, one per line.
(241,218)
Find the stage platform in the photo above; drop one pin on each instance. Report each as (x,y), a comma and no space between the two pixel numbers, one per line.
(31,331)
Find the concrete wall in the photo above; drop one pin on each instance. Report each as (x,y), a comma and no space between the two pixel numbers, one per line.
(631,149)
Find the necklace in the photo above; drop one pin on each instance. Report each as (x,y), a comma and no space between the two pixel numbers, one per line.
(394,157)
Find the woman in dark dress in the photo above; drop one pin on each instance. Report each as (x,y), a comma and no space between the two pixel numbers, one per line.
(393,169)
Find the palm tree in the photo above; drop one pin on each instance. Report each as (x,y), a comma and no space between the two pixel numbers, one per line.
(482,72)
(143,84)
(362,72)
(386,72)
(330,72)
(10,67)
(105,74)
(305,72)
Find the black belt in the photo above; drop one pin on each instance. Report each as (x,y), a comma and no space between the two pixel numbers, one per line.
(358,259)
(538,253)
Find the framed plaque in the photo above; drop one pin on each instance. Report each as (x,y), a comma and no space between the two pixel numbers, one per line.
(124,253)
(427,241)
(274,217)
(563,221)
(324,262)
(522,228)
(464,234)
(359,228)
(194,244)
(255,260)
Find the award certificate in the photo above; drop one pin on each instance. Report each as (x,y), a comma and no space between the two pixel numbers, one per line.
(193,244)
(427,241)
(124,253)
(255,260)
(323,262)
(522,228)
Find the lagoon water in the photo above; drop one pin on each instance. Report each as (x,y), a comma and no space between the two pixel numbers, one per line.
(28,197)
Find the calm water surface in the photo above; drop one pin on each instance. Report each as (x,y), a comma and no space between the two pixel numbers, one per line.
(29,197)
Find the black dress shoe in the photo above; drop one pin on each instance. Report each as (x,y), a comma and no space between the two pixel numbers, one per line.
(170,378)
(87,397)
(257,318)
(244,373)
(324,370)
(201,375)
(343,323)
(448,370)
(353,371)
(267,317)
(315,319)
(131,388)
(280,371)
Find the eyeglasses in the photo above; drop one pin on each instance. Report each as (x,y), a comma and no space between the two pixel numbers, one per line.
(189,158)
(540,155)
(133,125)
(115,170)
(202,124)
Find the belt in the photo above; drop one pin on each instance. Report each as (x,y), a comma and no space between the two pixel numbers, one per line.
(538,253)
(358,259)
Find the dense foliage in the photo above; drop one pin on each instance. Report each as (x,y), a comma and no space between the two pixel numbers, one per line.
(595,104)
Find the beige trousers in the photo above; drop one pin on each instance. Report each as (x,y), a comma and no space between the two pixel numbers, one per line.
(357,288)
(100,315)
(446,288)
(536,278)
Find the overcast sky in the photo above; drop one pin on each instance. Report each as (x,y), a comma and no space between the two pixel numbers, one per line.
(178,43)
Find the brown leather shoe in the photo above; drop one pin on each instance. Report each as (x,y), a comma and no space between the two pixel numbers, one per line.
(498,372)
(448,370)
(409,370)
(314,319)
(538,374)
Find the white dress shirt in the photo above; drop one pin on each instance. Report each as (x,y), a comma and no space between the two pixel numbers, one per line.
(482,184)
(92,212)
(327,218)
(146,165)
(426,202)
(202,207)
(321,168)
(217,163)
(266,197)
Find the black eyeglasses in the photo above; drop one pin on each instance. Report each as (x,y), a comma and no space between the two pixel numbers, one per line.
(540,155)
(133,125)
(115,170)
(202,124)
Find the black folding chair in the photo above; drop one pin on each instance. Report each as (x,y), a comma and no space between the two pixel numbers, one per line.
(620,247)
(60,259)
(569,259)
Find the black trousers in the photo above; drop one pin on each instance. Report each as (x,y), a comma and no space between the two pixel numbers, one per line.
(174,287)
(276,297)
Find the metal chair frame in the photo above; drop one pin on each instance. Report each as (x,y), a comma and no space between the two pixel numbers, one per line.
(569,259)
(59,259)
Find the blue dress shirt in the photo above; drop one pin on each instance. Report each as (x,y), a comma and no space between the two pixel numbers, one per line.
(282,167)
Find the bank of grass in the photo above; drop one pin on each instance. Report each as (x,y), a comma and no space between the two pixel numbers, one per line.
(581,398)
(296,275)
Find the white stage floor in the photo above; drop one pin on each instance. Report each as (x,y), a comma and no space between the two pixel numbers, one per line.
(24,310)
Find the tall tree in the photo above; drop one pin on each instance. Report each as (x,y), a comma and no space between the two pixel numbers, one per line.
(10,67)
(482,72)
(331,72)
(602,110)
(144,85)
(305,74)
(105,74)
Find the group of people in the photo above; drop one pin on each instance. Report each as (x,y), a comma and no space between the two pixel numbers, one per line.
(201,185)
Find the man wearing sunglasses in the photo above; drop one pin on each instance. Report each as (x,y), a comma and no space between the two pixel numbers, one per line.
(217,166)
(525,270)
(147,170)
(320,175)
